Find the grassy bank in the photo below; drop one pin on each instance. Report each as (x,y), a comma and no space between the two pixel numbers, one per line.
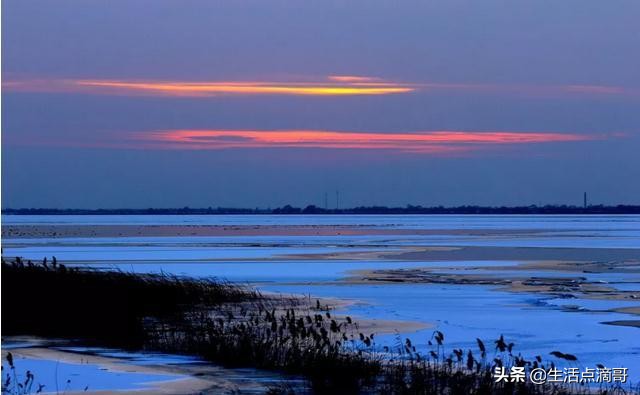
(236,326)
(49,299)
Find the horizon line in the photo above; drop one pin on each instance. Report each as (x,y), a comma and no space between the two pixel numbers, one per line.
(321,210)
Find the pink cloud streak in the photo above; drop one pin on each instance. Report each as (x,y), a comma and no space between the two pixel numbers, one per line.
(427,142)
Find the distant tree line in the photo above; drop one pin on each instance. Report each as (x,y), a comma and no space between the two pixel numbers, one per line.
(312,209)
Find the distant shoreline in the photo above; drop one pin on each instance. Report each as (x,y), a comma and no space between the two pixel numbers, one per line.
(314,210)
(21,231)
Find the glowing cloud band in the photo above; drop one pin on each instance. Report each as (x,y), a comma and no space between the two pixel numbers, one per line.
(333,85)
(420,142)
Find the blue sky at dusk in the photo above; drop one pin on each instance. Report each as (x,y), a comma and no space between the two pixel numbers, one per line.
(110,104)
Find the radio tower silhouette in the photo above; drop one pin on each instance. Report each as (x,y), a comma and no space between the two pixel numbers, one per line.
(585,200)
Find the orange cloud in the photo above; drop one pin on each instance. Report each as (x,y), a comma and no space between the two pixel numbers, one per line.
(245,88)
(333,86)
(418,142)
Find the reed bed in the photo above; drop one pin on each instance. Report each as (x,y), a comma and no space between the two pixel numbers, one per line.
(51,300)
(238,327)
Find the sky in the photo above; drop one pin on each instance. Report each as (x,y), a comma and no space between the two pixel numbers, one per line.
(199,103)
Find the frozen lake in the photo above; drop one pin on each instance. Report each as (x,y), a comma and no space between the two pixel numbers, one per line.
(503,222)
(536,323)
